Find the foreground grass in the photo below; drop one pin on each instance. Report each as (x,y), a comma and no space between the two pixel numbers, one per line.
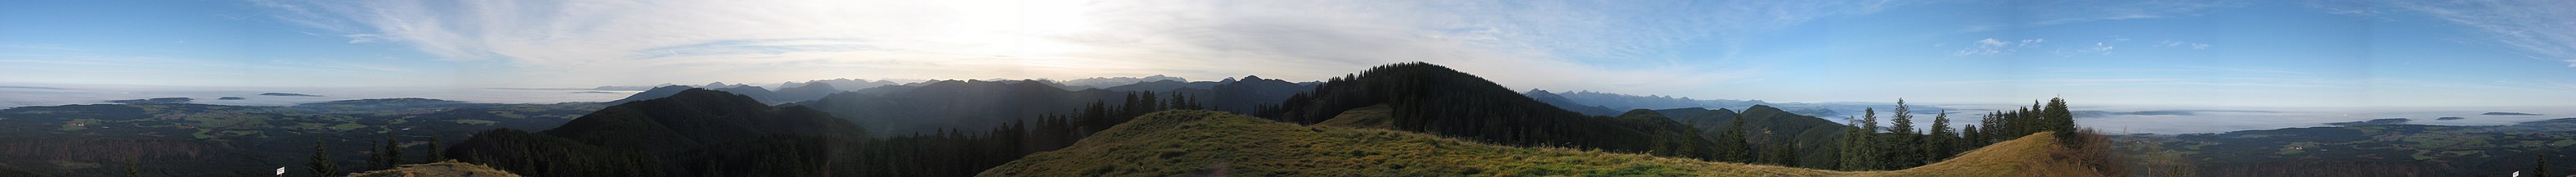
(447,168)
(1205,143)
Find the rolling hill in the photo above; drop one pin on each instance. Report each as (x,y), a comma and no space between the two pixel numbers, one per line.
(976,105)
(1771,125)
(1207,143)
(1422,97)
(691,133)
(955,104)
(447,168)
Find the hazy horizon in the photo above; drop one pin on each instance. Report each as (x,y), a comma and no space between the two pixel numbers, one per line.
(2214,53)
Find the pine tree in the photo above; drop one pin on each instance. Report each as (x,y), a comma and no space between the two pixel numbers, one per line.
(1779,153)
(2061,120)
(1873,155)
(435,154)
(1938,145)
(1731,146)
(1849,155)
(1901,130)
(375,161)
(321,165)
(1866,144)
(390,155)
(1973,140)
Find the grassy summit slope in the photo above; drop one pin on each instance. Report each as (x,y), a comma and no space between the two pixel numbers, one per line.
(447,168)
(1213,143)
(2034,155)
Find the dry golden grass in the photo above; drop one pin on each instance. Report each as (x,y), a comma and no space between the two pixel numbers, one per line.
(1204,143)
(2033,155)
(1375,116)
(447,168)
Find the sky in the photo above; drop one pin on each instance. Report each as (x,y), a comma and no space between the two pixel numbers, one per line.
(2463,53)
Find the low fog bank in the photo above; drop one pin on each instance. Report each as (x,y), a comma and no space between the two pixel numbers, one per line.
(2173,120)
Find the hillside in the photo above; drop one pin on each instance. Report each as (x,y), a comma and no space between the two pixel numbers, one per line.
(1244,96)
(1215,143)
(693,132)
(5,171)
(975,105)
(971,105)
(1428,98)
(1207,143)
(1771,125)
(447,168)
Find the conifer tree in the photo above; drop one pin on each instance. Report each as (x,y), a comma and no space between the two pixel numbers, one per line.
(389,155)
(1900,130)
(1853,141)
(321,165)
(1938,146)
(435,154)
(375,161)
(1871,155)
(1731,146)
(2061,120)
(1971,142)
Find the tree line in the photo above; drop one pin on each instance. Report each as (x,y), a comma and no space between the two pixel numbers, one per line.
(1864,147)
(959,153)
(950,152)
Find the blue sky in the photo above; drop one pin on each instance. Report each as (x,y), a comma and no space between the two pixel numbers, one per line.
(2201,53)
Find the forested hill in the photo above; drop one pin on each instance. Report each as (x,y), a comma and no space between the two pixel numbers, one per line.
(971,105)
(1434,99)
(691,133)
(975,105)
(1770,126)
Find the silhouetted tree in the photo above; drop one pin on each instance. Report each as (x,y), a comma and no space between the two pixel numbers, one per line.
(435,154)
(321,165)
(387,154)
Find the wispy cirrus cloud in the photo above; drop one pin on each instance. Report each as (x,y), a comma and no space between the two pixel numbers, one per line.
(2539,28)
(1993,47)
(2063,12)
(2174,43)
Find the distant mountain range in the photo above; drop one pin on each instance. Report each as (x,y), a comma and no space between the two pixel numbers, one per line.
(1106,82)
(977,104)
(840,84)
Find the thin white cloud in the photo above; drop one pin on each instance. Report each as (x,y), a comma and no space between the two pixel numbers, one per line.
(2540,28)
(2174,43)
(1543,44)
(1993,47)
(2063,12)
(2098,48)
